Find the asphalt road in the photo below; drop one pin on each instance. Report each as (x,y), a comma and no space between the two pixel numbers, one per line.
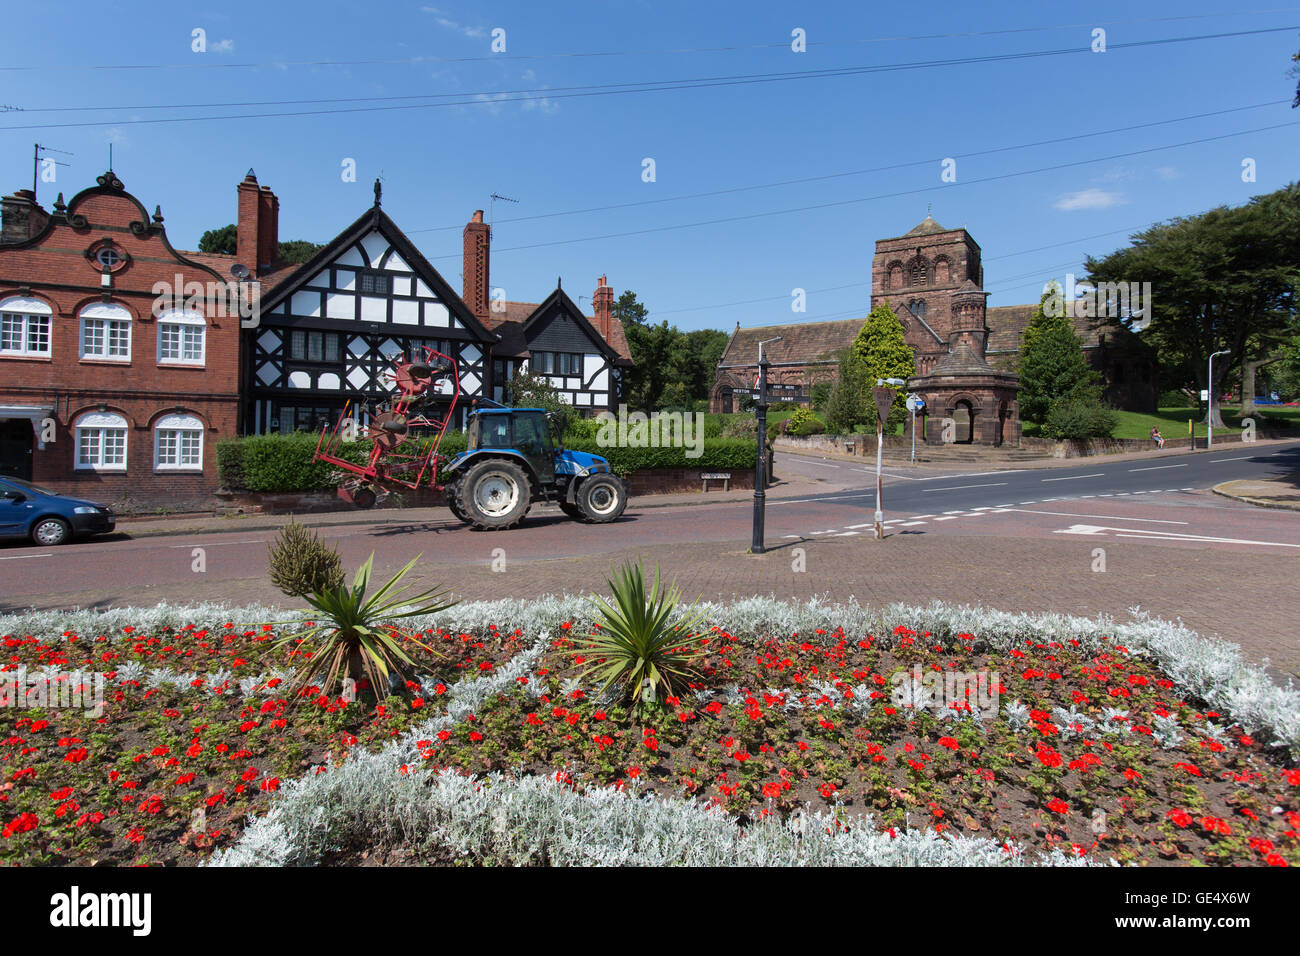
(989,519)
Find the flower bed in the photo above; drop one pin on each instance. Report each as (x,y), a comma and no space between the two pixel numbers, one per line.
(1133,742)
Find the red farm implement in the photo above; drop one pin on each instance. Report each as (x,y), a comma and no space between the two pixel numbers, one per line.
(405,431)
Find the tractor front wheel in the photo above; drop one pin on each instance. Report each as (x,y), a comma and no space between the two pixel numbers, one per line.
(494,494)
(452,492)
(602,498)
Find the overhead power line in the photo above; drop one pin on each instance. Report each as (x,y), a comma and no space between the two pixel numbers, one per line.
(862,172)
(891,195)
(646,86)
(216,64)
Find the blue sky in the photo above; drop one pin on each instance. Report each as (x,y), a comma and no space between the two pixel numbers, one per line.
(562,153)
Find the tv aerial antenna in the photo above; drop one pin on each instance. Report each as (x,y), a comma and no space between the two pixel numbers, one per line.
(36,162)
(492,206)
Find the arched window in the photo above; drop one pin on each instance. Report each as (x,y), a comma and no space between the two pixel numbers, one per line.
(101,441)
(917,308)
(920,270)
(180,337)
(24,326)
(106,332)
(941,271)
(895,276)
(178,443)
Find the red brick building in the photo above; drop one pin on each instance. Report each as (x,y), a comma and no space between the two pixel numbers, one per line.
(119,354)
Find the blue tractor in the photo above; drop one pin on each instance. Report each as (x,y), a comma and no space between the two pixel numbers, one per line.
(515,458)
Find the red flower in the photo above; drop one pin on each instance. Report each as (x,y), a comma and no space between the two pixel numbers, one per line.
(771,790)
(20,824)
(827,790)
(76,756)
(949,742)
(741,756)
(1059,806)
(1179,817)
(475,736)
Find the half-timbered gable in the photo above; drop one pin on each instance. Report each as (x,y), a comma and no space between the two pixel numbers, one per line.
(567,349)
(328,332)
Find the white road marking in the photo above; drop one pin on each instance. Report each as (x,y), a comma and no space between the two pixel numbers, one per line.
(972,474)
(992,484)
(846,534)
(1215,461)
(947,518)
(1074,477)
(820,464)
(908,524)
(214,544)
(866,525)
(1166,536)
(19,557)
(957,512)
(1070,514)
(1158,467)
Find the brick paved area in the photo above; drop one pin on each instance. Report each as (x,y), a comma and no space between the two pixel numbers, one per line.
(1247,598)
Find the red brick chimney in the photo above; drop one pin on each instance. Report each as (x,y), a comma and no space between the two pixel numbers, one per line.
(477,239)
(257,231)
(603,304)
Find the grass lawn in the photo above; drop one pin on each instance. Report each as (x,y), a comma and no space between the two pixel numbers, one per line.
(1172,422)
(1091,747)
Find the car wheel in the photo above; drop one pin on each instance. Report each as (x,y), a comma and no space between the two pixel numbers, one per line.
(51,532)
(495,494)
(602,498)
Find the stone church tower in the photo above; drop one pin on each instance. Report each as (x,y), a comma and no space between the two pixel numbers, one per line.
(933,279)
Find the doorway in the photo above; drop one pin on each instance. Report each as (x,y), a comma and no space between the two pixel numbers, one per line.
(16,443)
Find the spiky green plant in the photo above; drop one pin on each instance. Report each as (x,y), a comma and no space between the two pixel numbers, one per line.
(635,645)
(300,564)
(353,633)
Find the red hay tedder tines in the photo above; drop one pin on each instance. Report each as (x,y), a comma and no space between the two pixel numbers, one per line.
(397,457)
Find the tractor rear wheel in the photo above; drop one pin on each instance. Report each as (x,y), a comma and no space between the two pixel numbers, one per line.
(495,494)
(602,498)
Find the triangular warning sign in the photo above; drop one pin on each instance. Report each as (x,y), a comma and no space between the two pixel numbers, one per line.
(884,401)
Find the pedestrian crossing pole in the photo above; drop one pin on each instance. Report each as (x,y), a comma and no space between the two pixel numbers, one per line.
(883,393)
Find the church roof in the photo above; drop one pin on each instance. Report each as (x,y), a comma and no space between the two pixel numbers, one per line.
(803,343)
(926,227)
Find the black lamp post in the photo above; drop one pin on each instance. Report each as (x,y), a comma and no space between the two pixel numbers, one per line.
(760,462)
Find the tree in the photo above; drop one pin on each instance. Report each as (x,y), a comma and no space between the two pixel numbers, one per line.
(1221,280)
(219,241)
(671,368)
(527,390)
(849,404)
(1295,71)
(1053,369)
(885,354)
(224,241)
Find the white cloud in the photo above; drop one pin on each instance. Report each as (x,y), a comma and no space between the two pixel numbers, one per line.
(223,46)
(114,135)
(1167,172)
(449,24)
(1089,199)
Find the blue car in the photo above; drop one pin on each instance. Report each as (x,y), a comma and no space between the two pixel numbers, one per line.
(47,517)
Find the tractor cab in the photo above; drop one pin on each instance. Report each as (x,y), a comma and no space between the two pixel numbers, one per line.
(525,431)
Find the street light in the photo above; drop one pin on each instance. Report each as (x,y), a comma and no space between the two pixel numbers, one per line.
(882,385)
(760,463)
(1209,405)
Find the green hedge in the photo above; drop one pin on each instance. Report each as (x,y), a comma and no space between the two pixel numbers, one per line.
(269,463)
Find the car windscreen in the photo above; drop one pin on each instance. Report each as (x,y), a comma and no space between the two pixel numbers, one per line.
(21,485)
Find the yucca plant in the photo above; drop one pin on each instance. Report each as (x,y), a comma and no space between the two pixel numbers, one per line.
(635,646)
(301,564)
(352,635)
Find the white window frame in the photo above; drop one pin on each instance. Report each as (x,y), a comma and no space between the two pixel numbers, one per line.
(171,433)
(28,311)
(93,430)
(112,316)
(182,321)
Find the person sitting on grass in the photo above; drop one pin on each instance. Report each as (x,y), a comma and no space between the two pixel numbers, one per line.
(1156,437)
